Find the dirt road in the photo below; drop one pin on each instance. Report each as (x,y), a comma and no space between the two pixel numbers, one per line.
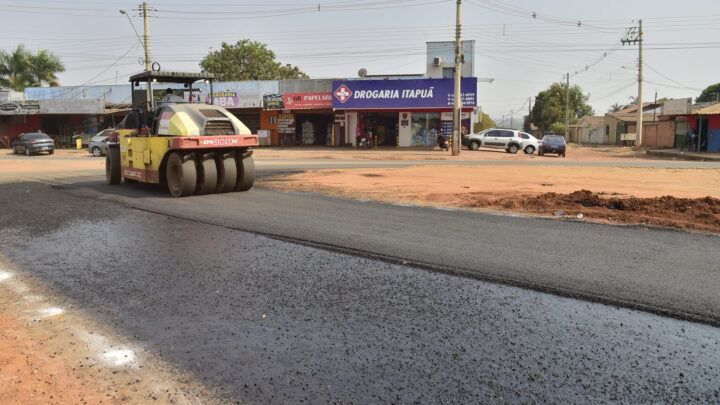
(684,198)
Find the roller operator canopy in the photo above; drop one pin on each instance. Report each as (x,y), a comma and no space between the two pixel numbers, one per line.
(170,77)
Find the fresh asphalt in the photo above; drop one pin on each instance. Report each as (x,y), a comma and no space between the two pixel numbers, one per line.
(263,320)
(658,270)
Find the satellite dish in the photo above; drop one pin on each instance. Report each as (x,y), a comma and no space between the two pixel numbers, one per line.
(362,72)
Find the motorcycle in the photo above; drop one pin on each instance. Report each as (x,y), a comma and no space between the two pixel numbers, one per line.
(365,142)
(443,144)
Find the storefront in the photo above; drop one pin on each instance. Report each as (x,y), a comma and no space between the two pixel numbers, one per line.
(401,112)
(302,118)
(59,118)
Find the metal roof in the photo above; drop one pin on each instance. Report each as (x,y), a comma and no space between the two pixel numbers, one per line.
(711,110)
(171,77)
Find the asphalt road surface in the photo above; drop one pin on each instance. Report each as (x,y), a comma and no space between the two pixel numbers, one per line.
(262,320)
(662,271)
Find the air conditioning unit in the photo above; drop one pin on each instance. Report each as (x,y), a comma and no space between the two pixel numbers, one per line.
(437,61)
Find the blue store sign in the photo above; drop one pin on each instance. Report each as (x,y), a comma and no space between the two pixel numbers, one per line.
(402,94)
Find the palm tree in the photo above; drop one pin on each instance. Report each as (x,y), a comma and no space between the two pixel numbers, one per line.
(21,69)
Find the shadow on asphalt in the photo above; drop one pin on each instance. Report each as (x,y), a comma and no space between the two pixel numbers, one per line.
(137,190)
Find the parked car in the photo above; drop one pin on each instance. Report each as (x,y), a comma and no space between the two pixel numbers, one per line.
(529,143)
(86,138)
(32,143)
(552,144)
(98,144)
(508,139)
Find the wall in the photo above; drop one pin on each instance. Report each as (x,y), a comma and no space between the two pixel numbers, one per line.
(14,125)
(266,116)
(714,122)
(446,51)
(666,134)
(405,131)
(593,135)
(351,128)
(610,129)
(121,93)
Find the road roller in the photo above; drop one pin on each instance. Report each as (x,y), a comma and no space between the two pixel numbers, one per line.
(192,145)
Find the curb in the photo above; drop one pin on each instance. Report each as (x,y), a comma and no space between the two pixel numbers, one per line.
(680,155)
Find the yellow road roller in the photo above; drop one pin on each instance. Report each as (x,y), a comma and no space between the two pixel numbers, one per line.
(193,147)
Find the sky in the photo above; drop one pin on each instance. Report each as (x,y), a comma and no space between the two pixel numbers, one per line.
(523,45)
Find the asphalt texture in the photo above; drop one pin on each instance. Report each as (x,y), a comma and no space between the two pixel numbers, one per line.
(261,320)
(662,271)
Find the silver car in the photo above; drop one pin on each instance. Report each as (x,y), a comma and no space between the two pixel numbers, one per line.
(98,144)
(507,139)
(529,143)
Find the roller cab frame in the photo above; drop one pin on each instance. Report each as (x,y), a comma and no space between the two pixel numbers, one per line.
(194,148)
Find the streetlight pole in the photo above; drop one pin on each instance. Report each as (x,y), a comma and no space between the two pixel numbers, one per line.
(634,35)
(457,98)
(145,44)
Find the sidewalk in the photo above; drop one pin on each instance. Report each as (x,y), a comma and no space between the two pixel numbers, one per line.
(677,154)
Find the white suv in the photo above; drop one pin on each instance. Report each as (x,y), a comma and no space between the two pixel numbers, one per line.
(509,139)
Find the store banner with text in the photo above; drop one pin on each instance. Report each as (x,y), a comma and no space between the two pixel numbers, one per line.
(307,101)
(404,94)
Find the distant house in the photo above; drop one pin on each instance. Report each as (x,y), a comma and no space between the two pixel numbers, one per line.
(625,122)
(589,130)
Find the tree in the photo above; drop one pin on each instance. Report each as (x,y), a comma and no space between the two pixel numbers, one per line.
(549,107)
(20,68)
(484,123)
(616,107)
(633,102)
(711,93)
(247,60)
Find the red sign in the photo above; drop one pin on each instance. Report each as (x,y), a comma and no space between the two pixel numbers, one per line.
(306,101)
(343,94)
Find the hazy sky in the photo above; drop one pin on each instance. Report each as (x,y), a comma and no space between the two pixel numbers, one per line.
(522,54)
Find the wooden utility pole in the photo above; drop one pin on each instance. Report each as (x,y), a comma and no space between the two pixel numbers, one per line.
(457,98)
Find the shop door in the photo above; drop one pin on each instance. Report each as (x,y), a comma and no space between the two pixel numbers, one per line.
(338,135)
(681,130)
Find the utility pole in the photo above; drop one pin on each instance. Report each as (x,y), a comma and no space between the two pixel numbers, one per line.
(654,110)
(511,119)
(148,63)
(567,107)
(457,99)
(529,129)
(634,35)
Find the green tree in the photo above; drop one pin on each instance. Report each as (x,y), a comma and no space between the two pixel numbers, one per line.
(711,93)
(247,60)
(549,107)
(484,123)
(20,68)
(615,108)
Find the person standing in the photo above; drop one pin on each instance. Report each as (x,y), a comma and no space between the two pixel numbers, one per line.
(693,139)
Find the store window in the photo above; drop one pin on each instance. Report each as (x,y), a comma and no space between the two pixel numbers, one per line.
(448,72)
(425,129)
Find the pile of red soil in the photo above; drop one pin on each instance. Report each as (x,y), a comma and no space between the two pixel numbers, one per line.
(685,213)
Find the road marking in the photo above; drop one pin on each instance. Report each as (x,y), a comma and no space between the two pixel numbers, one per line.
(4,275)
(120,357)
(50,312)
(111,354)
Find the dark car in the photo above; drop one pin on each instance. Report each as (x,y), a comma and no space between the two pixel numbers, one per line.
(552,144)
(33,143)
